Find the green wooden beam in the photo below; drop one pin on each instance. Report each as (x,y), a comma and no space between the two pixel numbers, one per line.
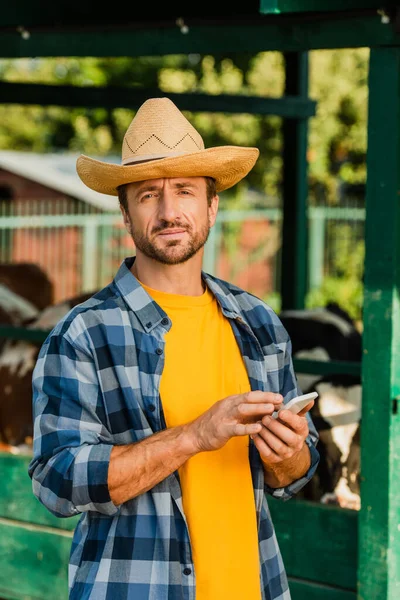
(307,590)
(128,97)
(17,501)
(320,367)
(71,13)
(318,542)
(379,540)
(295,190)
(286,34)
(34,562)
(22,333)
(90,13)
(299,6)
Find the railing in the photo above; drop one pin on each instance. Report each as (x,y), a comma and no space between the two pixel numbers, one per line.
(82,251)
(319,240)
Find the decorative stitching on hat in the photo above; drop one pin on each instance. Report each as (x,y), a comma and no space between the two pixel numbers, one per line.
(163,143)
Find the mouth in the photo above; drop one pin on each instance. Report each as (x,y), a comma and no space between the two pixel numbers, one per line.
(168,233)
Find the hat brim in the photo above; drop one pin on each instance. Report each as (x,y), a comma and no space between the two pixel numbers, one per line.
(226,164)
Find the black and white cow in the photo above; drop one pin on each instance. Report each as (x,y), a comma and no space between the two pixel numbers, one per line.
(28,281)
(24,290)
(17,361)
(330,334)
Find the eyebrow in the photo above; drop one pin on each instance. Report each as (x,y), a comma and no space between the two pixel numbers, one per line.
(147,188)
(184,184)
(153,188)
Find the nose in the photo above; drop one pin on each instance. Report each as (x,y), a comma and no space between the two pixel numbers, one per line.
(168,207)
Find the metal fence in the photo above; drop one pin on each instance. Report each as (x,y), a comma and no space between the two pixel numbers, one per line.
(81,248)
(335,234)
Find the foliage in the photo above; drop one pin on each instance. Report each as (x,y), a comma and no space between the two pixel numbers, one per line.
(274,301)
(343,283)
(100,132)
(347,292)
(337,134)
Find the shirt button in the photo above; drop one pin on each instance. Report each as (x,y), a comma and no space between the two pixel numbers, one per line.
(159,351)
(164,321)
(152,408)
(187,571)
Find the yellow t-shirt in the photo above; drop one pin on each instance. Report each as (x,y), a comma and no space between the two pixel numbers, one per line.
(203,364)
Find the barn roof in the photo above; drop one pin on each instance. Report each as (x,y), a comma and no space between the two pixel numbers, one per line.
(56,171)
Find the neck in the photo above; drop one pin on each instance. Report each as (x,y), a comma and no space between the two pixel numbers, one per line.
(183,279)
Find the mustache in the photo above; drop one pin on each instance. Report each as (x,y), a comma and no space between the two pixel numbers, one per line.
(166,226)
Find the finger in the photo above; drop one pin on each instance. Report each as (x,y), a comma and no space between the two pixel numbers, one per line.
(296,422)
(251,410)
(266,453)
(283,432)
(258,396)
(277,445)
(246,429)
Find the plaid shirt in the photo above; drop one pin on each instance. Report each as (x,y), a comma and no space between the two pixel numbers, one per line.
(96,384)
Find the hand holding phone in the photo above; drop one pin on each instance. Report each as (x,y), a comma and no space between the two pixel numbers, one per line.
(297,404)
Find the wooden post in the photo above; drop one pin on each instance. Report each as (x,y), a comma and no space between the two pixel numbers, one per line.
(295,189)
(90,254)
(379,538)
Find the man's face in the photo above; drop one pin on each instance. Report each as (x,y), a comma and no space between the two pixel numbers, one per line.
(169,219)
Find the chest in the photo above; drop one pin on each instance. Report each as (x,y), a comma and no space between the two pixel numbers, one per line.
(203,364)
(132,365)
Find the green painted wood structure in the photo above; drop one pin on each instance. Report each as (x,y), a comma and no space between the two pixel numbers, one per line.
(330,553)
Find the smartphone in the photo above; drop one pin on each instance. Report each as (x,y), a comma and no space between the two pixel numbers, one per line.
(297,404)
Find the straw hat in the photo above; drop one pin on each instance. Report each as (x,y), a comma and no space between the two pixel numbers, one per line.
(160,142)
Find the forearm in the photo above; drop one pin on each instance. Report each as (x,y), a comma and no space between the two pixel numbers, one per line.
(281,474)
(136,468)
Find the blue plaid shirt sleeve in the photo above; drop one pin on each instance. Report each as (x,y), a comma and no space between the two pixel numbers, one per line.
(289,390)
(72,448)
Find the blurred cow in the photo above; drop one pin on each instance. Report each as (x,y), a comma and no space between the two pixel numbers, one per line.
(29,282)
(24,291)
(15,309)
(330,334)
(17,360)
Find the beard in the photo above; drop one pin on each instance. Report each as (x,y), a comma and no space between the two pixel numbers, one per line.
(176,251)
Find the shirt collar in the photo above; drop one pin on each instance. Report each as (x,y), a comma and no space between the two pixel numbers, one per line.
(224,296)
(149,313)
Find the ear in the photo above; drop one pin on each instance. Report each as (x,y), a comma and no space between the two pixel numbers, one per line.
(126,219)
(213,210)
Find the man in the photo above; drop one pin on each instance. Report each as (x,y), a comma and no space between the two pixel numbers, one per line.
(153,399)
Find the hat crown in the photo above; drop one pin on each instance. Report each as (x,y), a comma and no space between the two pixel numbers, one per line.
(159,130)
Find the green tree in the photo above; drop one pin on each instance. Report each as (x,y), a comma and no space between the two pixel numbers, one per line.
(337,134)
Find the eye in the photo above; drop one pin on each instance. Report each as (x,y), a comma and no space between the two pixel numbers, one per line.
(147,196)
